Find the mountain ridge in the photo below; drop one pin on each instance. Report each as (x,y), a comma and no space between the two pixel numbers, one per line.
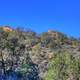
(21,51)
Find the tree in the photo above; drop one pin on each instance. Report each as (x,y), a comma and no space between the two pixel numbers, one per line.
(63,67)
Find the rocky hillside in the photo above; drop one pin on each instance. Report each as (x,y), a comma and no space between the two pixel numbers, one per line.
(50,55)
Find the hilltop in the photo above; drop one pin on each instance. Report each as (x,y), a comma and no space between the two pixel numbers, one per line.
(52,55)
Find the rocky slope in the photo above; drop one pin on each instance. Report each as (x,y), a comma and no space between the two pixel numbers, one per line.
(32,55)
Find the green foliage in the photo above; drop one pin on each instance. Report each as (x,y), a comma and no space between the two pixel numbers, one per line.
(23,69)
(63,67)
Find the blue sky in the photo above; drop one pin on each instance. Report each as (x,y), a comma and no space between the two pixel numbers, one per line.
(41,15)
